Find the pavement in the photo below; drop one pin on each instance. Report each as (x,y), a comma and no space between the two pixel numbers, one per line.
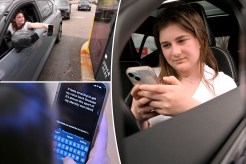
(86,64)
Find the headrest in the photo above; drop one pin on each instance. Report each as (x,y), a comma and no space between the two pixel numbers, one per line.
(200,10)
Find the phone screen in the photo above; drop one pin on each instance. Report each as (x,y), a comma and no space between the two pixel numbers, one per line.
(50,30)
(79,106)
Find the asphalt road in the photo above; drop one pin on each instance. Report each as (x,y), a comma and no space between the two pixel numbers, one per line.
(64,63)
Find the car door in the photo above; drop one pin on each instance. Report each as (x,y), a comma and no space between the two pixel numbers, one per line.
(50,15)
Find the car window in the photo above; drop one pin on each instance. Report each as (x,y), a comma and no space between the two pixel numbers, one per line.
(149,44)
(46,8)
(5,45)
(222,42)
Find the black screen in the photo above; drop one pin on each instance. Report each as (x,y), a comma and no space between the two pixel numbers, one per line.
(79,106)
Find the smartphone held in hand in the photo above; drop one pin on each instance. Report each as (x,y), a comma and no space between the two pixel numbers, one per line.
(142,75)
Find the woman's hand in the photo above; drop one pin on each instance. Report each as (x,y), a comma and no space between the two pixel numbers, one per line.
(98,153)
(140,107)
(171,99)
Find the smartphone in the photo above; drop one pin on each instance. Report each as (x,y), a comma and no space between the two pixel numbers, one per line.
(79,108)
(50,30)
(142,75)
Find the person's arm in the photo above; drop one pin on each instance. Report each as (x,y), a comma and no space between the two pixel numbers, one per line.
(37,25)
(98,153)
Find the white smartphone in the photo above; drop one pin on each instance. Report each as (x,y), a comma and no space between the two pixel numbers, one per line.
(142,75)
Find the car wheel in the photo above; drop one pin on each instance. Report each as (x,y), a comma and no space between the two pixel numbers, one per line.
(59,34)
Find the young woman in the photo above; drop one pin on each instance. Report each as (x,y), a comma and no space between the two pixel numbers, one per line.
(19,22)
(188,68)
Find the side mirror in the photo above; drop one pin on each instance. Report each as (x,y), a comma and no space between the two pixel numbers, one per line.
(23,38)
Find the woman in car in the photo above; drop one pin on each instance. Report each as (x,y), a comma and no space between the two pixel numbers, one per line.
(19,22)
(188,70)
(27,125)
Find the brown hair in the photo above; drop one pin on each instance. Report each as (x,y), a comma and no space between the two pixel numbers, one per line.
(188,19)
(14,25)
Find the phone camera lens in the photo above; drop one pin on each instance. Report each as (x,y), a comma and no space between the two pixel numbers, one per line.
(130,74)
(137,78)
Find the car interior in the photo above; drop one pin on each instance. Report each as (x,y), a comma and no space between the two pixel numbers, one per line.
(134,54)
(227,57)
(139,50)
(226,51)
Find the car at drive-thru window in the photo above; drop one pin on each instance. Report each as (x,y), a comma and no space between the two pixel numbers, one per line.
(213,132)
(27,63)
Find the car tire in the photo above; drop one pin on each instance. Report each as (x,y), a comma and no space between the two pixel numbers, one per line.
(59,34)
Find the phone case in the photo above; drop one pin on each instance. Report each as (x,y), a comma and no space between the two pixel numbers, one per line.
(142,75)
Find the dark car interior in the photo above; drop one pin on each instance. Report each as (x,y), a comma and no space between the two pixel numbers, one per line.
(223,28)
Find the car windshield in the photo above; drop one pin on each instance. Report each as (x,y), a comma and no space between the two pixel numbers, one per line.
(61,3)
(3,6)
(84,2)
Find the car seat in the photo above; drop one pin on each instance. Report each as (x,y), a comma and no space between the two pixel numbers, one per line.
(224,59)
(233,46)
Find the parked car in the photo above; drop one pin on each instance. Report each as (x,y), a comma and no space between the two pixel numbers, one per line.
(65,7)
(84,5)
(213,132)
(27,64)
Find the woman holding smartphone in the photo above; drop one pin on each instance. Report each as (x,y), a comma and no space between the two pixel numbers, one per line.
(188,69)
